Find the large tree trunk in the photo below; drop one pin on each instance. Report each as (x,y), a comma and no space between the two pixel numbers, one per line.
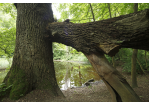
(32,66)
(120,90)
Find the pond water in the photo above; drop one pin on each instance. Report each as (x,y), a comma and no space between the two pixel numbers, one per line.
(73,74)
(69,74)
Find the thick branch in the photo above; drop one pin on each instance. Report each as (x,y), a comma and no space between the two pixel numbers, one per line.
(108,36)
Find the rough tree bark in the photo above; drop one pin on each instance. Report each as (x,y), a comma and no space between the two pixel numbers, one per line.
(32,66)
(95,39)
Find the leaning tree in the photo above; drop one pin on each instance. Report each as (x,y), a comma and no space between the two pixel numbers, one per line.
(33,68)
(95,39)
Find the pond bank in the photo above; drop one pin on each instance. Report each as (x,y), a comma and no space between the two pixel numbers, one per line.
(96,93)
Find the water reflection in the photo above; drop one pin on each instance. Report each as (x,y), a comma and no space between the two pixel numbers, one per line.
(67,78)
(73,74)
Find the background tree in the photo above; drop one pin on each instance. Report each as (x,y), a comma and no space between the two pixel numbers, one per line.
(134,56)
(146,60)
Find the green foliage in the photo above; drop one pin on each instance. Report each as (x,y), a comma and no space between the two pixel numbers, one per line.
(142,6)
(59,51)
(81,12)
(62,53)
(8,8)
(141,58)
(126,55)
(7,41)
(7,29)
(109,58)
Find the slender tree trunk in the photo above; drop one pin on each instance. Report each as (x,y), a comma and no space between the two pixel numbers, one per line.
(32,66)
(140,65)
(113,62)
(109,10)
(133,68)
(120,90)
(133,60)
(92,11)
(146,61)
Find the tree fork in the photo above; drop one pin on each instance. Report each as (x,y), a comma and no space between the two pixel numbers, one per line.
(133,59)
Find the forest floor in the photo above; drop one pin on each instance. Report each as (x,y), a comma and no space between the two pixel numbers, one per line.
(96,93)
